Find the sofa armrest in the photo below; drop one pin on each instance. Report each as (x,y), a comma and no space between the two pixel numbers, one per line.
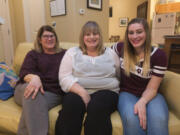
(170,89)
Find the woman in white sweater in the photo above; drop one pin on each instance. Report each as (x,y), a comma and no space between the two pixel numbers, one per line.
(88,76)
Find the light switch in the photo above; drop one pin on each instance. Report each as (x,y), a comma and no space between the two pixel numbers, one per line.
(2,21)
(81,11)
(54,24)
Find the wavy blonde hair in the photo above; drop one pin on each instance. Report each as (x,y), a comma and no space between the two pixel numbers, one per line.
(37,43)
(130,58)
(91,27)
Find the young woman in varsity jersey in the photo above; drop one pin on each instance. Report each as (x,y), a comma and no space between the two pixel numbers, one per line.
(142,109)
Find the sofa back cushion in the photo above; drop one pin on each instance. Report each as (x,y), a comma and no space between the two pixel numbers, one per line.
(25,47)
(20,53)
(170,88)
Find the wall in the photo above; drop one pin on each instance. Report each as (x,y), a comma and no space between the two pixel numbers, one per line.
(1,46)
(122,8)
(17,21)
(34,17)
(151,10)
(167,1)
(68,27)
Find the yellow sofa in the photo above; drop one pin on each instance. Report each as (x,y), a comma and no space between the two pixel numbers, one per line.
(10,112)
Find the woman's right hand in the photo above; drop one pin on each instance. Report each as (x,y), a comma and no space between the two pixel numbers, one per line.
(140,110)
(33,87)
(79,90)
(85,97)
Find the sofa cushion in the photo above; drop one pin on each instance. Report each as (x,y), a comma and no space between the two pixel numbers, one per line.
(174,124)
(53,113)
(10,115)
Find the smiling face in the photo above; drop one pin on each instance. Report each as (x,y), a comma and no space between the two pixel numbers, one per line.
(136,35)
(48,41)
(91,40)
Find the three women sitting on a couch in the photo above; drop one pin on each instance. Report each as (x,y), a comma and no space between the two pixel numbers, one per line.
(89,75)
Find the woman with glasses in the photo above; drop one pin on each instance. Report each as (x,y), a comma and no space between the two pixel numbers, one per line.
(38,89)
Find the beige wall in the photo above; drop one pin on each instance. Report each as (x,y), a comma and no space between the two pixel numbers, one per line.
(68,27)
(17,21)
(1,46)
(122,8)
(151,10)
(152,4)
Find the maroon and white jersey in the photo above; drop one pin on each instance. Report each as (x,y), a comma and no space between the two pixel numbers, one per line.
(136,83)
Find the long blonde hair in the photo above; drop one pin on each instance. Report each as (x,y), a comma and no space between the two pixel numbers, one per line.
(130,58)
(91,26)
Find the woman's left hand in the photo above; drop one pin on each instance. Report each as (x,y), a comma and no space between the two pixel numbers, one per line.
(140,110)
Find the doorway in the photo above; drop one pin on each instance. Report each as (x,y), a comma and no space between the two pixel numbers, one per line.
(34,17)
(6,41)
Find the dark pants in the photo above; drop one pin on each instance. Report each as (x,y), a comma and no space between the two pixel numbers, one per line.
(97,122)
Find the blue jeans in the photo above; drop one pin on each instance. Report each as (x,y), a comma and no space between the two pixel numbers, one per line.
(157,115)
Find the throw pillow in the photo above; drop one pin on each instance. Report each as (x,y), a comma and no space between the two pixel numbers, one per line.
(8,81)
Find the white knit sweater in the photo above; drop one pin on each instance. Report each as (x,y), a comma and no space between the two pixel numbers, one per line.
(92,73)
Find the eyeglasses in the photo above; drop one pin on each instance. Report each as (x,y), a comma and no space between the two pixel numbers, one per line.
(48,36)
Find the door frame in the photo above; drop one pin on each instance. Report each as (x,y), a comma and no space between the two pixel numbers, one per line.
(6,29)
(27,18)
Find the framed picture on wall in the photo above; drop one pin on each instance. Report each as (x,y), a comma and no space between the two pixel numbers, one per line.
(58,7)
(123,21)
(94,4)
